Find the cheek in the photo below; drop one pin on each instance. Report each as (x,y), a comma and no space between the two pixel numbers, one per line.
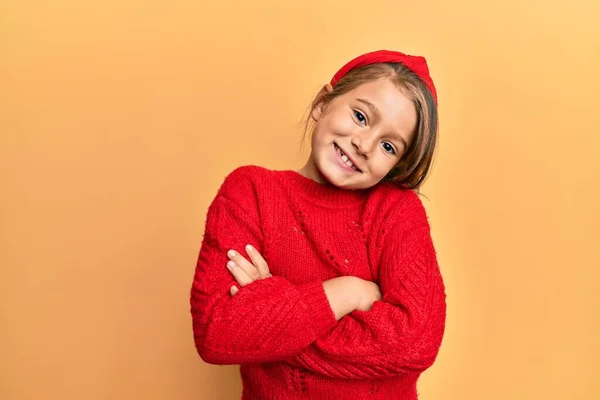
(342,125)
(383,166)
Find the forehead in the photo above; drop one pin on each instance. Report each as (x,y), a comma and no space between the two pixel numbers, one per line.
(381,90)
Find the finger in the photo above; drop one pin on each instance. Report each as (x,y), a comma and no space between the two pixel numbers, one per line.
(259,262)
(238,274)
(244,264)
(233,290)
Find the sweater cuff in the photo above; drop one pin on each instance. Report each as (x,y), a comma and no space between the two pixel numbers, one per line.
(318,307)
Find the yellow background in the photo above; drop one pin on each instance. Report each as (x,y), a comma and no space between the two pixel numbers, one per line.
(119,119)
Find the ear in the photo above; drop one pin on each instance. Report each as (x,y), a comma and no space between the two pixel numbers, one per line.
(318,106)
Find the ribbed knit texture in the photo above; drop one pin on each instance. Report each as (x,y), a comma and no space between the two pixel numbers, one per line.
(282,330)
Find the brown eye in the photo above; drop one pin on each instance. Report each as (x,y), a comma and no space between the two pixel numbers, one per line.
(389,148)
(360,117)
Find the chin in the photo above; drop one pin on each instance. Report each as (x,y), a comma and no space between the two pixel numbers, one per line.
(327,177)
(337,179)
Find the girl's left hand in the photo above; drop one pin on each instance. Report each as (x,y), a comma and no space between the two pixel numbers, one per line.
(245,272)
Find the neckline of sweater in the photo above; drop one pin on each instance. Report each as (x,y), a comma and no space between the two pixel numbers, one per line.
(323,194)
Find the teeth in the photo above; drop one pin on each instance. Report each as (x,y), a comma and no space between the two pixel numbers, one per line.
(345,159)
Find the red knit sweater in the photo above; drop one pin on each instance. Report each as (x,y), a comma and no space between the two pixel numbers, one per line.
(282,330)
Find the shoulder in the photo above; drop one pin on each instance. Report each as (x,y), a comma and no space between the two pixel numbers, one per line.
(401,206)
(240,193)
(243,179)
(245,173)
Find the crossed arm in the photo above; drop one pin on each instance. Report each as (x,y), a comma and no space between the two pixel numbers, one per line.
(345,293)
(375,336)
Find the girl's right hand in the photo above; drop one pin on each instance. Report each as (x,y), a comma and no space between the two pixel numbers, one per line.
(245,272)
(368,293)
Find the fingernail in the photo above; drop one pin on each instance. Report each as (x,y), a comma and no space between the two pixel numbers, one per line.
(231,253)
(249,247)
(230,265)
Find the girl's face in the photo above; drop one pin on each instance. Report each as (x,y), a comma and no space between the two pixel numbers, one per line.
(360,135)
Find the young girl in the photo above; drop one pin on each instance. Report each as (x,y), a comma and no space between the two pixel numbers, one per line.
(323,283)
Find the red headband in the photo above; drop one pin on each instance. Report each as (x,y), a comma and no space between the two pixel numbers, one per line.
(416,64)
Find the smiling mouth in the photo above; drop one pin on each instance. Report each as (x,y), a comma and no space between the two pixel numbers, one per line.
(345,158)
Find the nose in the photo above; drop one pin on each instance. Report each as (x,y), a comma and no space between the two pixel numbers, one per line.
(363,144)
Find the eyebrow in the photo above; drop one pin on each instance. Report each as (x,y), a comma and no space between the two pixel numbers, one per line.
(375,111)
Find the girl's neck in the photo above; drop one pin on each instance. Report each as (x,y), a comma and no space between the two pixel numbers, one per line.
(310,171)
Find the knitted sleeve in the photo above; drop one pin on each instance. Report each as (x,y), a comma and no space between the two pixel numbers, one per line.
(270,319)
(401,333)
